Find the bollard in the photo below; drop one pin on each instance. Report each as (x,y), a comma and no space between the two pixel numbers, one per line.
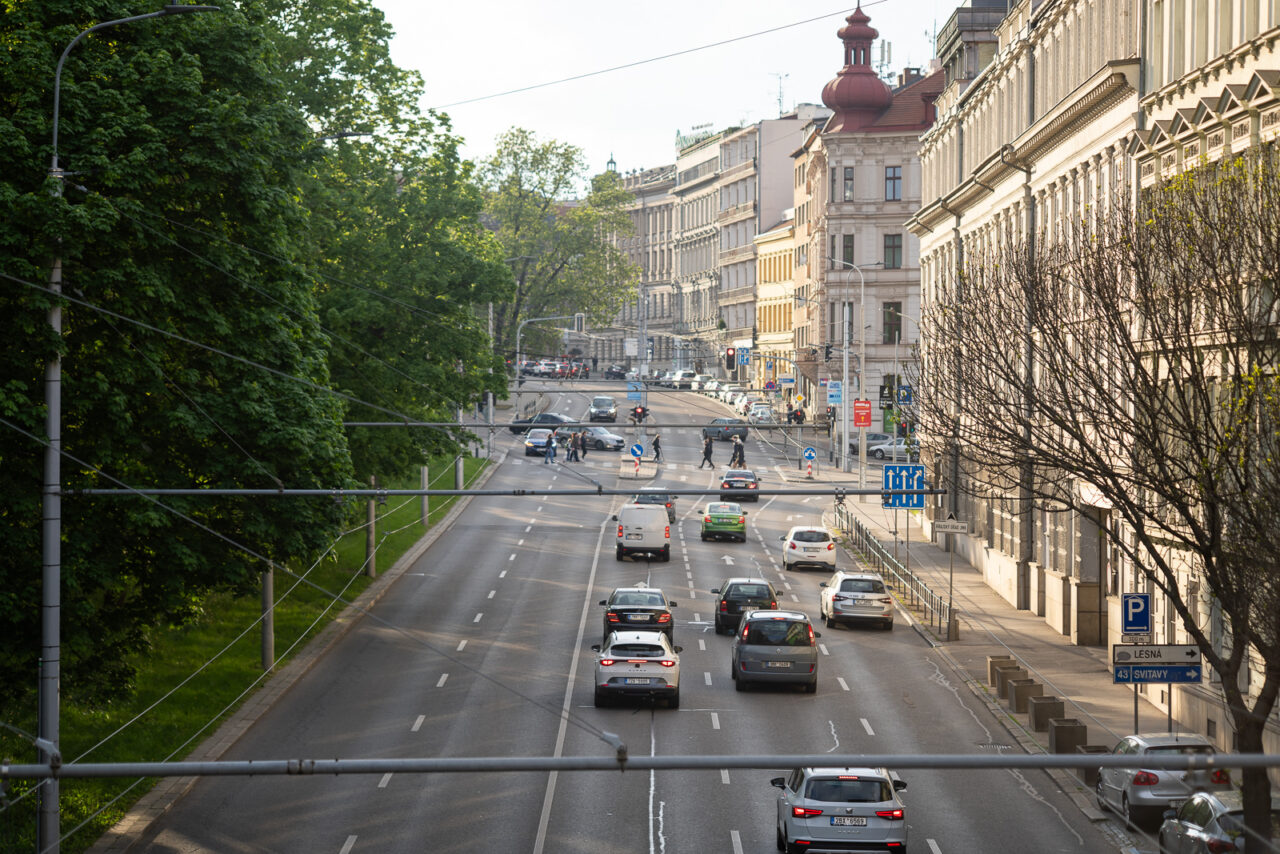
(994,661)
(1089,773)
(1066,734)
(1018,691)
(1040,710)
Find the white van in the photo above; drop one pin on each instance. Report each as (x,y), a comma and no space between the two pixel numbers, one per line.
(643,528)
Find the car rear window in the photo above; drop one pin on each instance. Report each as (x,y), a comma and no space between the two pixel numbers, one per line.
(864,791)
(1184,749)
(638,650)
(811,537)
(721,508)
(862,585)
(748,591)
(778,632)
(643,600)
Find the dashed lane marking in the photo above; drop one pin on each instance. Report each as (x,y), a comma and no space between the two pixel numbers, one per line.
(444,677)
(866,724)
(706,676)
(461,646)
(478,616)
(386,778)
(417,724)
(844,686)
(715,720)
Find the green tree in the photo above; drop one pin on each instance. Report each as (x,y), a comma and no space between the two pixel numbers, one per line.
(561,247)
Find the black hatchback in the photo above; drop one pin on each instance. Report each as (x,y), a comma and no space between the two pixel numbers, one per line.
(739,479)
(638,609)
(738,595)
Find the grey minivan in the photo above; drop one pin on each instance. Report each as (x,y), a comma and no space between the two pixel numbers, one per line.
(775,646)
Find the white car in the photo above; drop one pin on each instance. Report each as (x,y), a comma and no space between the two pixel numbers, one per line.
(710,387)
(853,597)
(900,449)
(637,664)
(700,381)
(727,391)
(808,545)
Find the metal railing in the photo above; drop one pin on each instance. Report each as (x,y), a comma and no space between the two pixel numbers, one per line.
(913,589)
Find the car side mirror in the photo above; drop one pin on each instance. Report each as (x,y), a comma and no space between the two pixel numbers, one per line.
(899,784)
(823,584)
(679,649)
(778,782)
(715,590)
(614,517)
(604,601)
(672,604)
(783,537)
(817,634)
(595,647)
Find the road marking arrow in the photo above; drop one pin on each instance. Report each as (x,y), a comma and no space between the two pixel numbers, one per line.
(728,560)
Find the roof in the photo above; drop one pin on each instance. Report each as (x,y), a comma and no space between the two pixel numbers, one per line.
(850,770)
(777,614)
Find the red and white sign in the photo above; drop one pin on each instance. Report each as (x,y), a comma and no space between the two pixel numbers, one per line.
(862,413)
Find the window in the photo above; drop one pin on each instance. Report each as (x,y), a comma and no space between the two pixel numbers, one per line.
(893,183)
(846,249)
(892,251)
(892,322)
(848,183)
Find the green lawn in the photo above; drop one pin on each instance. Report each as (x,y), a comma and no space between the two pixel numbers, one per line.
(199,674)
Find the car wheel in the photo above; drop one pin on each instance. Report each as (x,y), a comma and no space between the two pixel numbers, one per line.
(831,623)
(602,699)
(666,554)
(782,840)
(1130,813)
(878,454)
(673,702)
(621,553)
(786,567)
(888,625)
(739,684)
(704,538)
(1160,844)
(1097,796)
(792,848)
(811,687)
(599,444)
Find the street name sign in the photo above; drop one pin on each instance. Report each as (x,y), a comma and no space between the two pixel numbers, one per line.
(950,526)
(1167,653)
(1143,674)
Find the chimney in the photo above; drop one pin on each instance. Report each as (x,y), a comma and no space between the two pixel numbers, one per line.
(908,76)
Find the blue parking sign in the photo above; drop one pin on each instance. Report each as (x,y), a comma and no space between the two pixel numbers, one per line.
(1135,611)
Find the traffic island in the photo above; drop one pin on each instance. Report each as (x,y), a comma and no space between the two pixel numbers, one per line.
(628,469)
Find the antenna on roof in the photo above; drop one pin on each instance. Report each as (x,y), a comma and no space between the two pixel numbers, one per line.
(781,76)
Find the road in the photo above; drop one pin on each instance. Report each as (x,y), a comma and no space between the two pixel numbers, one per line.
(492,658)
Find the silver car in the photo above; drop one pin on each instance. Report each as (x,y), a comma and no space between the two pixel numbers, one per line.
(1142,795)
(1210,823)
(841,809)
(853,597)
(637,664)
(775,646)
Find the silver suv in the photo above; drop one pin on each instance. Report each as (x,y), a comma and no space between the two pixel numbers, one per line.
(841,809)
(775,646)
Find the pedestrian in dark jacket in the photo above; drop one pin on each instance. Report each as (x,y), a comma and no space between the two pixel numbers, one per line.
(571,454)
(738,457)
(582,444)
(657,448)
(707,444)
(550,454)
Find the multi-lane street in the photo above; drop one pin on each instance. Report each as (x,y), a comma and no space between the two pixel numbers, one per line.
(494,660)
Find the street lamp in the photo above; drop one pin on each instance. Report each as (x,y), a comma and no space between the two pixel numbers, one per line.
(862,375)
(50,492)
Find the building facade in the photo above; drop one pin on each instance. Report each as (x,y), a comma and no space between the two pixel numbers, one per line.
(696,243)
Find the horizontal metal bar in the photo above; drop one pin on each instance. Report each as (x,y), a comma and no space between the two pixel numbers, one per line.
(623,425)
(286,767)
(389,493)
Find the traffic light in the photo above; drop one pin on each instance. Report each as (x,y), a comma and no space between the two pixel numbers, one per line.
(730,358)
(826,354)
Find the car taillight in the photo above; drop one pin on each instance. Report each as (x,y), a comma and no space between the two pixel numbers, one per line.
(619,532)
(664,618)
(773,606)
(724,485)
(752,485)
(666,532)
(812,640)
(706,518)
(1145,778)
(804,812)
(742,520)
(791,545)
(830,546)
(892,815)
(607,662)
(1220,846)
(666,662)
(611,616)
(1222,776)
(724,607)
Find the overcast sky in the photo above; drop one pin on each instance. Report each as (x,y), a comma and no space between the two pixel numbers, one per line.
(479,51)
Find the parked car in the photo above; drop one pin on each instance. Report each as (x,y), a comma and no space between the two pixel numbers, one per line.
(841,809)
(808,545)
(739,480)
(655,495)
(550,420)
(736,596)
(684,379)
(637,664)
(1139,794)
(603,439)
(727,391)
(602,408)
(903,450)
(854,597)
(700,381)
(710,387)
(872,440)
(615,372)
(723,429)
(1210,823)
(638,609)
(775,647)
(724,519)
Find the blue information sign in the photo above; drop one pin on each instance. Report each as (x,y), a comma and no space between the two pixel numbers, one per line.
(744,356)
(1135,609)
(1142,674)
(810,454)
(903,477)
(633,390)
(637,450)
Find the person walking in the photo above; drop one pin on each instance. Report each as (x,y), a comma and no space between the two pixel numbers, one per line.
(707,445)
(571,453)
(582,444)
(657,447)
(550,454)
(737,458)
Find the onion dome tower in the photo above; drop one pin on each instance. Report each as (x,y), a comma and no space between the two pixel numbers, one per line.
(856,95)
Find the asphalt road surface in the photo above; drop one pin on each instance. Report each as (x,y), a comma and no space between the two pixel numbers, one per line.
(494,660)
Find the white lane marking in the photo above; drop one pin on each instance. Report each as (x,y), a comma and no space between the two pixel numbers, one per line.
(866,724)
(834,737)
(533,520)
(513,556)
(684,477)
(478,616)
(539,510)
(461,646)
(702,645)
(492,593)
(697,618)
(933,847)
(795,598)
(502,574)
(348,845)
(528,528)
(724,776)
(823,647)
(715,720)
(443,678)
(844,686)
(736,841)
(520,542)
(789,518)
(807,498)
(693,594)
(706,676)
(386,778)
(786,584)
(417,725)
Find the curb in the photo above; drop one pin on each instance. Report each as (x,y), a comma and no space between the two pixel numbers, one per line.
(155,803)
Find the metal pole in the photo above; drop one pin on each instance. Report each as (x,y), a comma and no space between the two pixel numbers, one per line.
(951,581)
(268,618)
(862,376)
(844,390)
(426,499)
(370,539)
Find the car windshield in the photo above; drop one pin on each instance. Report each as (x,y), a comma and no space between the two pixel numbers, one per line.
(811,536)
(598,431)
(640,599)
(846,791)
(862,585)
(748,591)
(777,633)
(602,402)
(636,650)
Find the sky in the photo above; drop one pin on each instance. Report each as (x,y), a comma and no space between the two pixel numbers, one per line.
(475,54)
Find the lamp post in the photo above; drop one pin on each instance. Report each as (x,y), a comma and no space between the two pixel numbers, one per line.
(51,490)
(862,375)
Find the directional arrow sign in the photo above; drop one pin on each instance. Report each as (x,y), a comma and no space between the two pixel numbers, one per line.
(1129,674)
(1155,654)
(728,561)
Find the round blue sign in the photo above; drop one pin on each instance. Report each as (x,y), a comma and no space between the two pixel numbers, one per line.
(810,454)
(637,450)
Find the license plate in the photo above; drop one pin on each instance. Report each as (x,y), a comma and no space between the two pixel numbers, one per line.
(777,664)
(636,680)
(810,551)
(849,820)
(638,618)
(634,536)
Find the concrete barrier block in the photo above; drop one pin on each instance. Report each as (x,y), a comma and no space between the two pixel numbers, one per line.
(994,661)
(1018,691)
(1041,709)
(1066,734)
(1089,773)
(1004,674)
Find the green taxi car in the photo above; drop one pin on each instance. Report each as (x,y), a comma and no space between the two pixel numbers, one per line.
(724,519)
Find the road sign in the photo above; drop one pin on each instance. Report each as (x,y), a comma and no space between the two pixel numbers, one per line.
(1143,674)
(787,380)
(633,390)
(950,526)
(744,356)
(1169,653)
(810,454)
(862,413)
(1135,613)
(903,477)
(770,385)
(768,363)
(799,399)
(835,391)
(904,395)
(637,450)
